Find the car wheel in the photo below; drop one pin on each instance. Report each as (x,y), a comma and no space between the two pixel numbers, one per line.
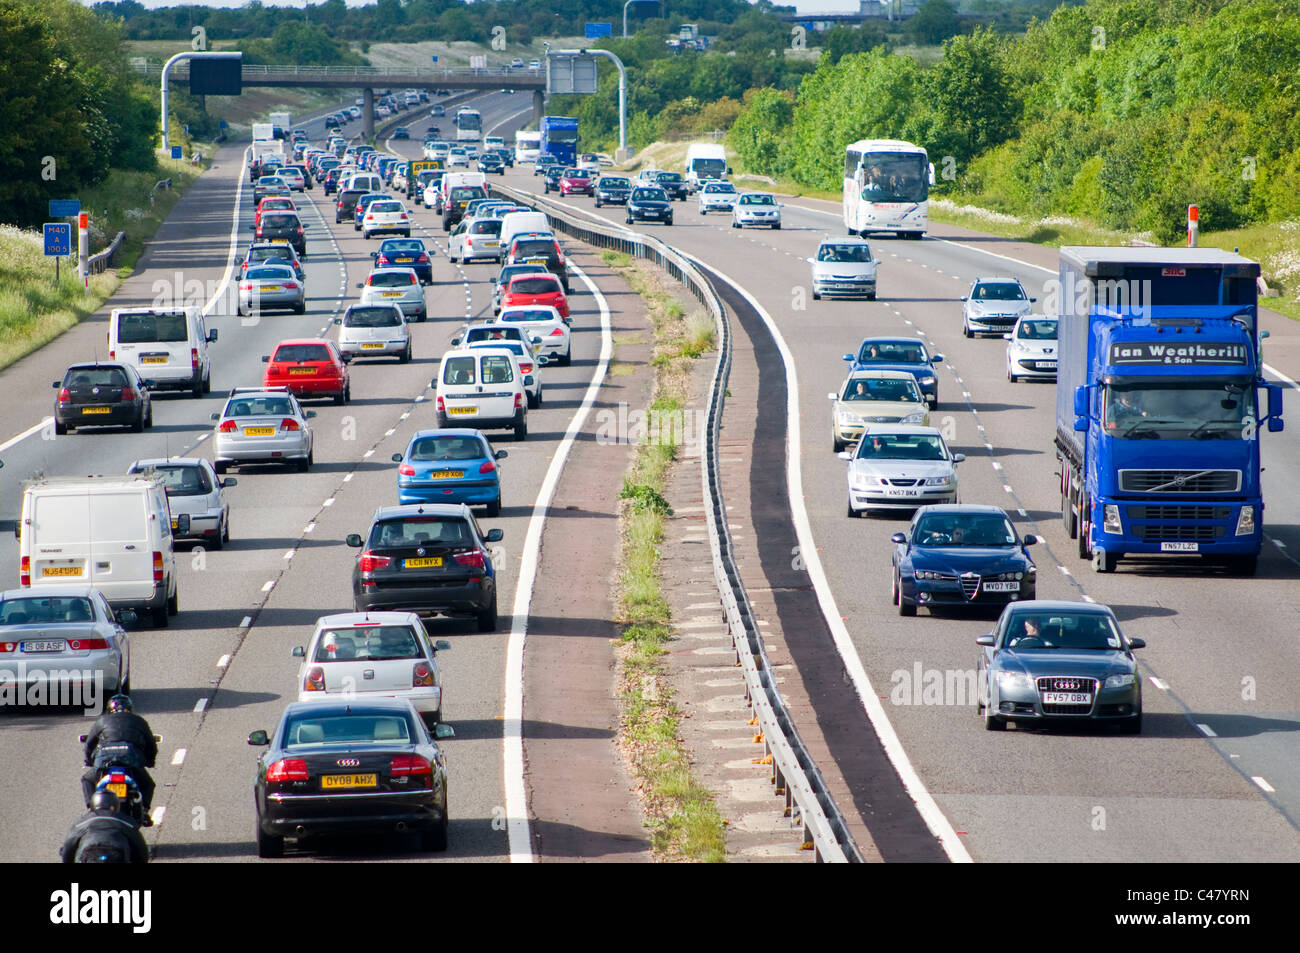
(174,603)
(966,331)
(494,508)
(148,420)
(159,616)
(816,296)
(450,257)
(1103,561)
(1011,377)
(269,846)
(207,384)
(124,685)
(597,203)
(300,308)
(305,464)
(534,402)
(218,541)
(850,512)
(434,839)
(198,389)
(838,444)
(1083,527)
(521,428)
(60,429)
(991,721)
(629,220)
(872,296)
(905,608)
(568,357)
(406,355)
(735,224)
(487,619)
(138,425)
(777,226)
(893,590)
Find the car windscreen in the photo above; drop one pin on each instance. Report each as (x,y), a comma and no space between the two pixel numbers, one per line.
(372,318)
(385,206)
(494,333)
(371,643)
(467,193)
(45,610)
(726,187)
(845,253)
(168,327)
(876,352)
(649,195)
(757,200)
(673,177)
(881,388)
(539,248)
(890,446)
(1037,330)
(412,531)
(401,245)
(964,529)
(537,285)
(344,730)
(95,377)
(1070,631)
(182,480)
(392,279)
(445,447)
(612,182)
(999,291)
(287,353)
(259,407)
(270,273)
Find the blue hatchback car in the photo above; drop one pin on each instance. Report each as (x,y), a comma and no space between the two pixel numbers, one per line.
(453,465)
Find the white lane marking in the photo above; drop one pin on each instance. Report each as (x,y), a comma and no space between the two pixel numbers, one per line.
(158,813)
(200,706)
(220,291)
(289,554)
(1065,571)
(223,661)
(268,585)
(1089,599)
(329,502)
(1207,730)
(513,739)
(1159,683)
(1263,785)
(245,623)
(926,806)
(348,478)
(179,756)
(309,528)
(18,438)
(369,453)
(390,431)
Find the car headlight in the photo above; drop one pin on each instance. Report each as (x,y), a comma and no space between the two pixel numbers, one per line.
(925,574)
(866,479)
(1014,681)
(845,417)
(927,379)
(1120,681)
(939,481)
(916,418)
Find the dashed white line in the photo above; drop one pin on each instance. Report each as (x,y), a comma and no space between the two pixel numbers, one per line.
(246,622)
(1263,785)
(179,757)
(158,813)
(329,502)
(369,453)
(1207,730)
(1065,571)
(268,585)
(200,706)
(390,431)
(1159,683)
(348,477)
(290,554)
(223,661)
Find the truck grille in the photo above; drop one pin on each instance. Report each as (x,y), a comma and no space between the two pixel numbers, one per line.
(1180,481)
(1199,533)
(1176,512)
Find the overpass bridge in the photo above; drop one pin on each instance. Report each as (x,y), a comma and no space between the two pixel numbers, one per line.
(369,78)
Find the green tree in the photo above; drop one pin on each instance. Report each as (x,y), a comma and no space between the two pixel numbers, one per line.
(761,128)
(934,22)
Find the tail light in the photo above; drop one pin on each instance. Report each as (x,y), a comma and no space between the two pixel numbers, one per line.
(116,777)
(369,562)
(8,647)
(128,393)
(288,769)
(228,426)
(442,407)
(519,401)
(370,216)
(406,470)
(64,396)
(557,333)
(421,674)
(288,423)
(525,368)
(291,285)
(423,259)
(382,260)
(25,572)
(112,354)
(157,567)
(409,766)
(315,680)
(299,229)
(473,559)
(488,466)
(340,205)
(403,216)
(85,645)
(194,357)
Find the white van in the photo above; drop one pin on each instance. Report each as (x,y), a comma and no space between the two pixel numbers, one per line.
(363,180)
(169,347)
(483,389)
(527,146)
(521,223)
(111,532)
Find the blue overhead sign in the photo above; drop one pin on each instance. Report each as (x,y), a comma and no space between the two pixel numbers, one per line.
(176,152)
(64,208)
(597,30)
(58,238)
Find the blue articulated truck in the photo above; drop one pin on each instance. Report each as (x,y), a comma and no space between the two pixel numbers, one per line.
(559,139)
(1158,404)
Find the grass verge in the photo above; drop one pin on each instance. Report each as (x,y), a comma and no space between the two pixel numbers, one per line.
(34,309)
(685,824)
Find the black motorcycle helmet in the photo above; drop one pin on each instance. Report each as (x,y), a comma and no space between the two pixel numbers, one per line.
(105,800)
(119,703)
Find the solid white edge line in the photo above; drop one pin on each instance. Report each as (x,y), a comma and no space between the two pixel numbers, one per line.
(929,810)
(234,235)
(18,438)
(1263,785)
(517,826)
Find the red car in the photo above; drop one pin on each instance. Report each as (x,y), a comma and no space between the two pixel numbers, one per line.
(576,182)
(276,203)
(309,367)
(536,289)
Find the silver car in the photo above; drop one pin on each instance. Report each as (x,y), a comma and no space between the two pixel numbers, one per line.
(374,330)
(875,397)
(897,467)
(399,286)
(475,239)
(843,267)
(63,641)
(994,305)
(372,655)
(1031,348)
(262,425)
(756,208)
(717,197)
(264,287)
(194,489)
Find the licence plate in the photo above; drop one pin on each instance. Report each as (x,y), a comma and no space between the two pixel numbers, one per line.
(1180,547)
(175,524)
(424,562)
(259,431)
(153,360)
(118,789)
(1045,365)
(371,347)
(390,294)
(462,410)
(904,492)
(402,261)
(269,288)
(61,571)
(336,781)
(447,475)
(1001,587)
(302,370)
(96,410)
(535,261)
(1066,698)
(52,646)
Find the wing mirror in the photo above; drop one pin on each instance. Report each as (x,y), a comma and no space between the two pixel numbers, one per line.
(258,738)
(988,641)
(212,336)
(494,536)
(1030,539)
(501,454)
(298,652)
(900,538)
(353,540)
(442,731)
(183,524)
(844,455)
(958,457)
(228,482)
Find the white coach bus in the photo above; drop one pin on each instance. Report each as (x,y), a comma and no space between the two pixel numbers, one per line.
(887,188)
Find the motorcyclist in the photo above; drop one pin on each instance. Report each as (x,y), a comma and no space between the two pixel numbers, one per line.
(121,726)
(103,835)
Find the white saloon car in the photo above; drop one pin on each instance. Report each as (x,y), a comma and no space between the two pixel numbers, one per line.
(898,467)
(756,208)
(545,323)
(1031,348)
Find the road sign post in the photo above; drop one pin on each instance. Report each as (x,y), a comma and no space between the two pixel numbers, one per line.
(58,242)
(83,249)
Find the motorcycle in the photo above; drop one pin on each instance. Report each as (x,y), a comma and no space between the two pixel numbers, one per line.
(114,764)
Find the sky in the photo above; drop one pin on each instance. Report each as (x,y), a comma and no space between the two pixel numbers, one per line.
(803,6)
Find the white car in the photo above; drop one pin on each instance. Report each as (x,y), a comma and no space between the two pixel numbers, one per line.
(372,655)
(475,239)
(374,330)
(399,286)
(900,468)
(484,389)
(545,323)
(875,397)
(717,197)
(994,305)
(386,215)
(293,177)
(843,267)
(756,208)
(194,489)
(530,364)
(458,156)
(1031,348)
(355,111)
